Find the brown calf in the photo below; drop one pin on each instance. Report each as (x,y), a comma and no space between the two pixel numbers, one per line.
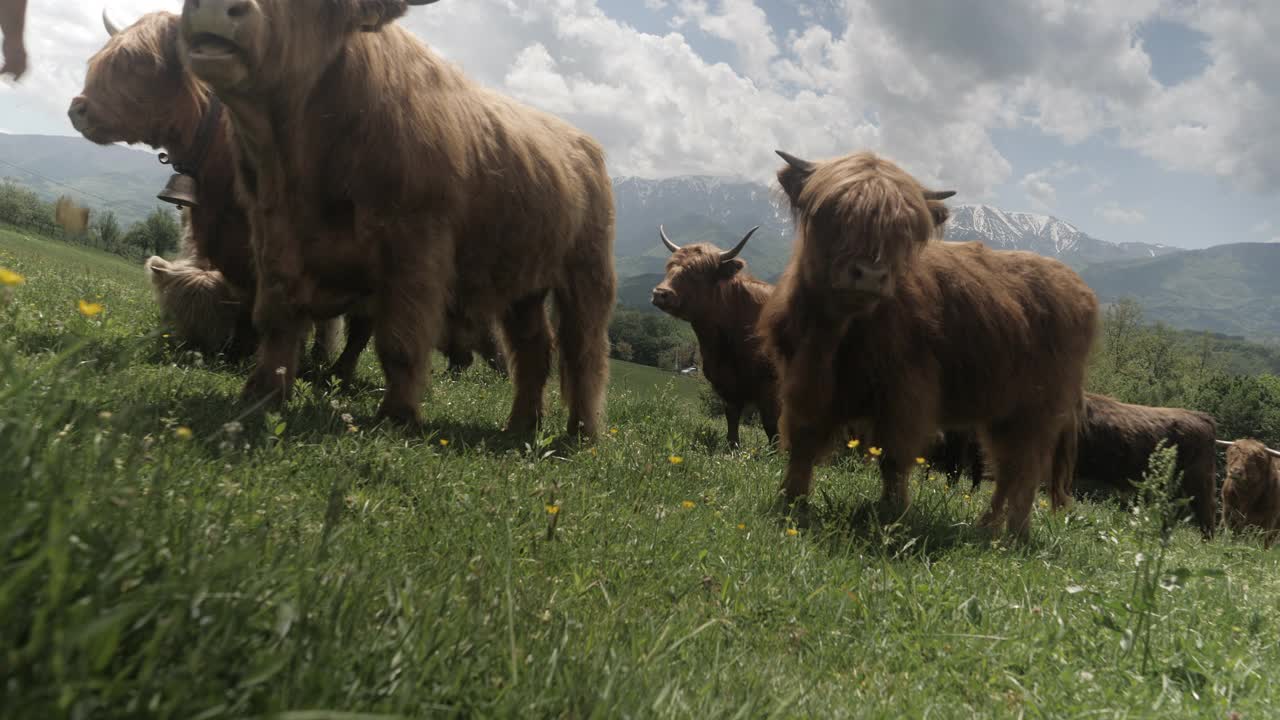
(876,322)
(713,291)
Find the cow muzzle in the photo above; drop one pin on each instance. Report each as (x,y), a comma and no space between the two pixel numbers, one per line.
(78,113)
(213,30)
(665,299)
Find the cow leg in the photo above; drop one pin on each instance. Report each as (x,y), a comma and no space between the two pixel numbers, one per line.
(1024,451)
(769,418)
(416,267)
(529,338)
(895,491)
(326,340)
(460,356)
(733,419)
(359,332)
(585,304)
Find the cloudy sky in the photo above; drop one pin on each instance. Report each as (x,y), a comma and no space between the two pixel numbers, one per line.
(1144,120)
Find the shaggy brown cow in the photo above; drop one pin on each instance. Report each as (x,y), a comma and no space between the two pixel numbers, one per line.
(13,18)
(137,91)
(452,197)
(712,290)
(1251,493)
(875,322)
(1116,442)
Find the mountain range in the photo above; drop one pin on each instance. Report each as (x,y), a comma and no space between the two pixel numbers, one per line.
(1228,288)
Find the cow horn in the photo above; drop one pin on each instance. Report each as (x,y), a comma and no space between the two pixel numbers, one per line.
(1273,453)
(667,241)
(112,30)
(795,162)
(1224,443)
(938,194)
(727,256)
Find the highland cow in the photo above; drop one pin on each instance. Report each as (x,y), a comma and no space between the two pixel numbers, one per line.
(13,18)
(452,200)
(137,91)
(876,322)
(1251,493)
(713,291)
(1115,443)
(1117,440)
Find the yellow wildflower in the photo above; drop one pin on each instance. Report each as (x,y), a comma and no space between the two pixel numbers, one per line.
(444,442)
(792,532)
(687,504)
(920,461)
(613,431)
(854,443)
(10,278)
(966,498)
(875,451)
(89,309)
(553,509)
(675,459)
(183,433)
(742,526)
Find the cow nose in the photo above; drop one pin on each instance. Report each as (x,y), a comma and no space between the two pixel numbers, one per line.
(870,277)
(79,107)
(217,17)
(663,296)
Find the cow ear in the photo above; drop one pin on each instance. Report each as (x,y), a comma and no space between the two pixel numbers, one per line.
(732,267)
(940,214)
(373,15)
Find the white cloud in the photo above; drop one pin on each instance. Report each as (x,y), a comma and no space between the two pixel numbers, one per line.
(1262,228)
(925,82)
(1039,185)
(739,22)
(1113,213)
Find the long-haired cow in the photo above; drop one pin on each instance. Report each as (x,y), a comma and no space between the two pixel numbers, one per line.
(1117,439)
(1251,492)
(137,91)
(875,322)
(714,292)
(376,171)
(1115,443)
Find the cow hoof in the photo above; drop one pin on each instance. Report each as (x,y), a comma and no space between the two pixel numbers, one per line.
(405,417)
(265,392)
(519,425)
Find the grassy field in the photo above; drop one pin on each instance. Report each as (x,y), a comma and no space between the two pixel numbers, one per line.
(165,555)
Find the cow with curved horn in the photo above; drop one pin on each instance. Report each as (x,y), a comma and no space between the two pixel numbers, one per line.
(877,323)
(713,291)
(1251,492)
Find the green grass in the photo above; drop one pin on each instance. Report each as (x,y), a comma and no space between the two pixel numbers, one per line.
(304,566)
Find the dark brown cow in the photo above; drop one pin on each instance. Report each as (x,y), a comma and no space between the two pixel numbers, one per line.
(1251,493)
(13,19)
(877,322)
(955,453)
(451,198)
(713,291)
(1115,444)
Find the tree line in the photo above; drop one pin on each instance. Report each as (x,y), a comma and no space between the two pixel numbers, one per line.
(158,234)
